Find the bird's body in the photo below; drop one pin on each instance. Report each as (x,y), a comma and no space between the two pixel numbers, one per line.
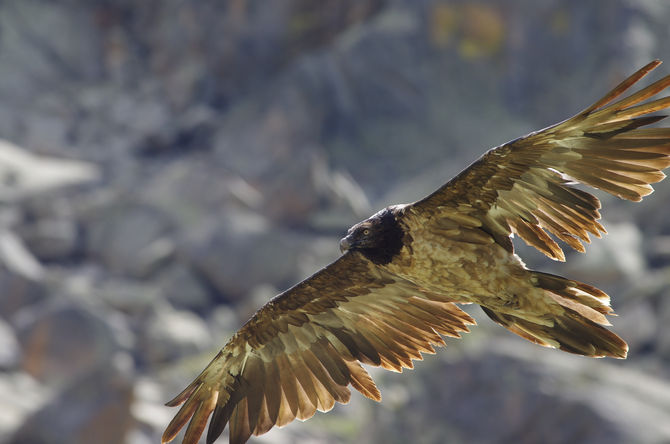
(481,272)
(453,267)
(394,292)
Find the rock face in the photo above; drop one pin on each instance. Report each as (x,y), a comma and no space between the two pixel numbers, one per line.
(94,408)
(60,345)
(9,347)
(505,394)
(166,167)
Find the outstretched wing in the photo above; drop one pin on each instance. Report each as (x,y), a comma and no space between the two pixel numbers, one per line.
(524,186)
(300,352)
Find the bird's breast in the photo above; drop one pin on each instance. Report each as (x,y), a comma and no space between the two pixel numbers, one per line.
(469,272)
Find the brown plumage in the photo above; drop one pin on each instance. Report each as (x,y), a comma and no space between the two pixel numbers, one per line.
(392,295)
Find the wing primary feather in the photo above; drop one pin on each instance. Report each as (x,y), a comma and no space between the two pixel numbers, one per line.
(361,381)
(332,362)
(420,340)
(646,133)
(643,94)
(273,390)
(240,429)
(199,420)
(264,423)
(284,415)
(220,418)
(638,110)
(612,129)
(358,346)
(185,394)
(306,395)
(181,418)
(537,238)
(288,382)
(254,374)
(322,377)
(623,86)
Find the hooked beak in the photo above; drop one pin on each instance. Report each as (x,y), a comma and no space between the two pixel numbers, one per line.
(345,244)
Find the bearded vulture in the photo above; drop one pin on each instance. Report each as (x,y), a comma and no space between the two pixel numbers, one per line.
(394,293)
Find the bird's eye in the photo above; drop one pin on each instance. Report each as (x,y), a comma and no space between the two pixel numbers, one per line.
(366,232)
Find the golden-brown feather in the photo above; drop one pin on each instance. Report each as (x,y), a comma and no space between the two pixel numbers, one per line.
(515,188)
(315,360)
(301,351)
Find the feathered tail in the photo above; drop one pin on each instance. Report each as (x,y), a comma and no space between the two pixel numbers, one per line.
(578,329)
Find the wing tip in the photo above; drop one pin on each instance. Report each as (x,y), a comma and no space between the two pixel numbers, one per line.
(652,64)
(623,86)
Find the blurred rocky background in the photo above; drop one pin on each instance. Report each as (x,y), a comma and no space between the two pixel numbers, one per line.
(167,166)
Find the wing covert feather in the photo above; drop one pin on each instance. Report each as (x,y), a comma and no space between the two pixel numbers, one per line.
(302,350)
(526,186)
